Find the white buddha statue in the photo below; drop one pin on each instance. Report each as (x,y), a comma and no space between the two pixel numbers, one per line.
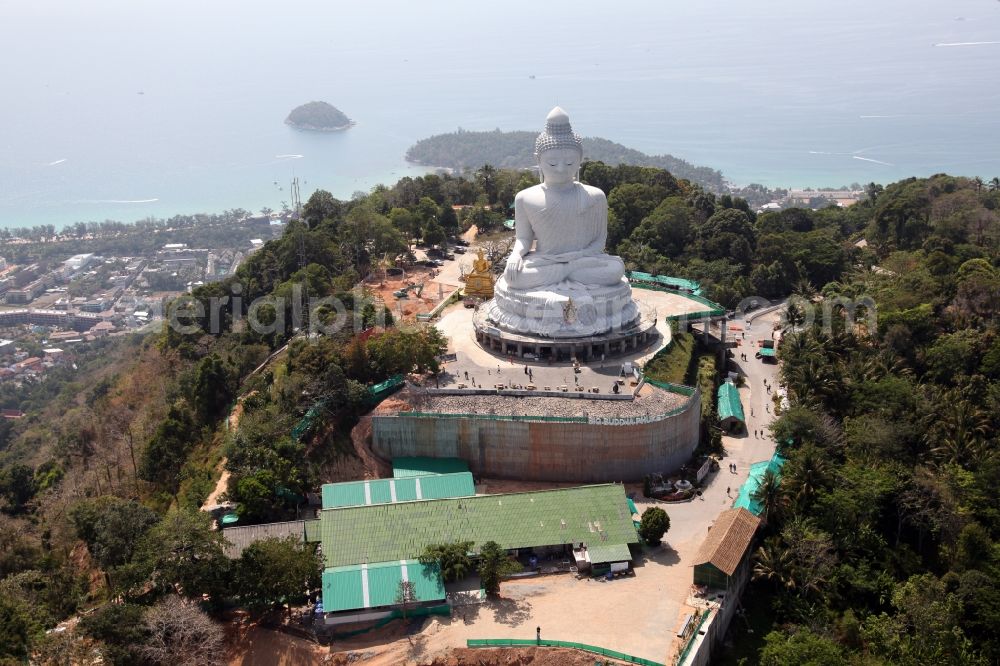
(558,280)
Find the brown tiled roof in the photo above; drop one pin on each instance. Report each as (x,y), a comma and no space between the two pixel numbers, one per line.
(728,540)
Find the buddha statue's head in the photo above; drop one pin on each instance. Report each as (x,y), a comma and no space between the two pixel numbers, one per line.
(558,149)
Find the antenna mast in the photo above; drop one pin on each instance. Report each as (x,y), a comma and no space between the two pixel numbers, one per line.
(296,199)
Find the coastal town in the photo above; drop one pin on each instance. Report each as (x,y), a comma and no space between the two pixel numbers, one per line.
(50,305)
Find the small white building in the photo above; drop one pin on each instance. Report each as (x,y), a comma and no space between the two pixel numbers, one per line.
(78,262)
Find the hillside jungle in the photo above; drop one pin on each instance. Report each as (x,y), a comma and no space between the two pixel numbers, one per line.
(881,536)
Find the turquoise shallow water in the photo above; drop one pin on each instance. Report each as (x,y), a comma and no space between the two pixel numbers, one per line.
(797,93)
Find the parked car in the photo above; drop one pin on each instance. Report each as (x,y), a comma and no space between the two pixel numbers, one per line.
(459,250)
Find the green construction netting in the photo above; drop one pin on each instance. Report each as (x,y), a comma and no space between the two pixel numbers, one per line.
(667,281)
(744,499)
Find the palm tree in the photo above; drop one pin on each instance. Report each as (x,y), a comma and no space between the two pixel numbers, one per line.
(994,184)
(486,176)
(769,495)
(773,563)
(804,288)
(805,474)
(959,434)
(978,182)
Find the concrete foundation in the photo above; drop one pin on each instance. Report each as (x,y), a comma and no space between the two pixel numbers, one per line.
(581,449)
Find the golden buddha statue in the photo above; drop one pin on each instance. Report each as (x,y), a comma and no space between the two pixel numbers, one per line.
(479,282)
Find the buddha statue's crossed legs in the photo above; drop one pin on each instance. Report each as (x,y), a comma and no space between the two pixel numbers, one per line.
(598,269)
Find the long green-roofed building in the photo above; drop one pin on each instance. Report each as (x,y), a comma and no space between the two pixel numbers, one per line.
(387,491)
(593,515)
(369,547)
(729,407)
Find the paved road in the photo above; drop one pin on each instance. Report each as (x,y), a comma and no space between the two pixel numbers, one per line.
(689,522)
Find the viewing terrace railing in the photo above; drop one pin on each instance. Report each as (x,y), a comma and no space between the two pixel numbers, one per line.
(673,388)
(691,393)
(714,310)
(689,642)
(496,417)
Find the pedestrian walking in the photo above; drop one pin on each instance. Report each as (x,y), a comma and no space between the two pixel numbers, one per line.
(751,411)
(729,491)
(767,408)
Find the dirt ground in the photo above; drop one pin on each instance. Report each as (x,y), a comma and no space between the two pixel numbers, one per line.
(412,305)
(632,615)
(266,647)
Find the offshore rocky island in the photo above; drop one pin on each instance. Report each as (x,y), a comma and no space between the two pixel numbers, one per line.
(318,117)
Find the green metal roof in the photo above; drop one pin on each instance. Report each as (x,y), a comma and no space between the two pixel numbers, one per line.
(602,553)
(729,404)
(387,491)
(374,585)
(588,514)
(744,499)
(766,351)
(403,468)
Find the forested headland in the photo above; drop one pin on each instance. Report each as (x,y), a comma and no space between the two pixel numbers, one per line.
(881,538)
(513,150)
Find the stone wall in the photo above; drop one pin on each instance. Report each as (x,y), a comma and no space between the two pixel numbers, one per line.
(537,450)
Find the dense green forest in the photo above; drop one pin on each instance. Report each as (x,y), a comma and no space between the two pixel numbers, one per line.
(880,540)
(513,150)
(881,543)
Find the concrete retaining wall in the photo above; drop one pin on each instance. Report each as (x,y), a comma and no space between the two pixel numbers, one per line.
(545,451)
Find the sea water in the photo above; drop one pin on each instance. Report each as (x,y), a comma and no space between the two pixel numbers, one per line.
(115,109)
